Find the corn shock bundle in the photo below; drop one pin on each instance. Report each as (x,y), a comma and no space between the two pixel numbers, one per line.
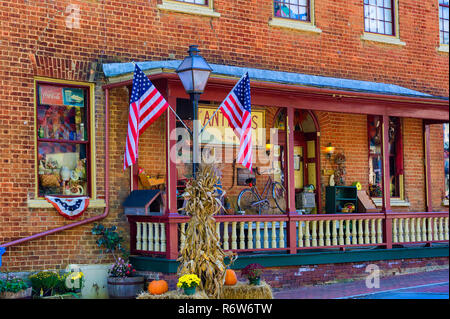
(202,254)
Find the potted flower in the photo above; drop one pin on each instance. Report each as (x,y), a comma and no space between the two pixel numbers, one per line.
(122,280)
(253,273)
(13,287)
(188,283)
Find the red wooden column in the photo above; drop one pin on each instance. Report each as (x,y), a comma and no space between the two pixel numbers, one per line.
(290,202)
(171,184)
(426,145)
(386,184)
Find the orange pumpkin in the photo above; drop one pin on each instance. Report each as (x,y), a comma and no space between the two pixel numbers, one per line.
(230,277)
(158,287)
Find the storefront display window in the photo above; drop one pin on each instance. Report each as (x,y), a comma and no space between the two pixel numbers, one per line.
(62,139)
(446,159)
(375,156)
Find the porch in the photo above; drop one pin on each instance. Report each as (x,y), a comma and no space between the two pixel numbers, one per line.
(156,240)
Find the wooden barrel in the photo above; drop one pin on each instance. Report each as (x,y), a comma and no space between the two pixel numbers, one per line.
(125,288)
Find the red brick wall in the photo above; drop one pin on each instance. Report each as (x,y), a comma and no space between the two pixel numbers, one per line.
(35,40)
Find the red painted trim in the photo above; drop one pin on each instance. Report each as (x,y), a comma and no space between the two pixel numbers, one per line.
(428,196)
(386,189)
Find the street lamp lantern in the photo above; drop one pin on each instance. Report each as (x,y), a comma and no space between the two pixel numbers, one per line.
(194,72)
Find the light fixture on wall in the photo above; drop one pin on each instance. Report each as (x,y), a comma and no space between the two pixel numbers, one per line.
(268,147)
(329,150)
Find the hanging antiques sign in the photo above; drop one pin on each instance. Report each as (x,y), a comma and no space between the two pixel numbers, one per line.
(219,131)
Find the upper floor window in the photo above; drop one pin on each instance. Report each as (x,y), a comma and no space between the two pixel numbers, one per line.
(443,20)
(201,2)
(379,16)
(292,9)
(63,121)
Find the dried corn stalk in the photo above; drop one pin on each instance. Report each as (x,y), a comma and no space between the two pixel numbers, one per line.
(202,254)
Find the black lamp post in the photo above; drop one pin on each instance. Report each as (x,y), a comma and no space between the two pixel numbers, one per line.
(194,72)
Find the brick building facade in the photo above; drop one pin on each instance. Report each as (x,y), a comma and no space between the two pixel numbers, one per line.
(71,40)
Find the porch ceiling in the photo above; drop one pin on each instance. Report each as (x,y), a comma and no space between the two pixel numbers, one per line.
(121,72)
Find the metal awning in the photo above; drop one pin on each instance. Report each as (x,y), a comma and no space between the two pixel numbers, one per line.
(118,72)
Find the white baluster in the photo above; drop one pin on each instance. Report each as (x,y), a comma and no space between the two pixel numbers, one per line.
(327,233)
(321,233)
(441,228)
(406,230)
(257,236)
(341,232)
(394,230)
(446,228)
(354,233)
(151,245)
(250,235)
(218,231)
(242,235)
(274,235)
(435,229)
(412,230)
(314,233)
(379,231)
(182,236)
(307,234)
(266,236)
(233,236)
(226,245)
(430,229)
(347,232)
(281,243)
(300,234)
(144,236)
(366,232)
(373,232)
(334,232)
(360,232)
(401,239)
(138,236)
(157,245)
(163,237)
(418,229)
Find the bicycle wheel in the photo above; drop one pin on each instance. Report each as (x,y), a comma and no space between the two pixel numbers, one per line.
(246,200)
(279,196)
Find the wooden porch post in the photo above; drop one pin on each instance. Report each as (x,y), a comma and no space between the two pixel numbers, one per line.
(290,203)
(386,183)
(171,185)
(426,137)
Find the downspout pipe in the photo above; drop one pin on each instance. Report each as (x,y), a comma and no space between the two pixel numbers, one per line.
(106,182)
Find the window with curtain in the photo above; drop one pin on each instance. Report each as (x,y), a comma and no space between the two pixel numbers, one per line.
(292,9)
(201,2)
(379,16)
(443,20)
(63,139)
(374,132)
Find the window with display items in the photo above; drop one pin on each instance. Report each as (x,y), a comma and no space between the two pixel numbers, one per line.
(375,156)
(379,16)
(62,122)
(292,9)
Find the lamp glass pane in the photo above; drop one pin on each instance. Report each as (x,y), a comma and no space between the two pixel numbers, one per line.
(186,79)
(200,78)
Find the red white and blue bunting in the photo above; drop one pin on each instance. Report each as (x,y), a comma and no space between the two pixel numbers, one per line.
(69,207)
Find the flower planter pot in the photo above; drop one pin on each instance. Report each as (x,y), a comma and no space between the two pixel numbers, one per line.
(22,294)
(125,287)
(189,291)
(255,281)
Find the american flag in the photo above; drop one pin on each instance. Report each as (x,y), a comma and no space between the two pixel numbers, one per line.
(146,105)
(237,109)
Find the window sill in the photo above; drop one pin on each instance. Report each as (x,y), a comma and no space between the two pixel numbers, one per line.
(395,202)
(386,39)
(296,25)
(443,48)
(188,8)
(42,203)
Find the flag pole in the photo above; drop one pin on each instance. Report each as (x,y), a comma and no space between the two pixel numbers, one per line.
(190,132)
(203,128)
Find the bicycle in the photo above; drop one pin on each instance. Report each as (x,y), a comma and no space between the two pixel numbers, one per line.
(250,201)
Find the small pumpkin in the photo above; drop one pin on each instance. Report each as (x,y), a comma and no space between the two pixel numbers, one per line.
(158,287)
(230,277)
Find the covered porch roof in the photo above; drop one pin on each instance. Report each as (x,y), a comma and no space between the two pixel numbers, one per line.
(299,90)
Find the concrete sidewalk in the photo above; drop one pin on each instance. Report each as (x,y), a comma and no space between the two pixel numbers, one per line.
(425,282)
